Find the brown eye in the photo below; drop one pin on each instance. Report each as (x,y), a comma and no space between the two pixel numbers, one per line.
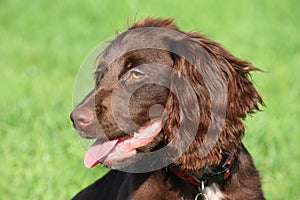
(136,74)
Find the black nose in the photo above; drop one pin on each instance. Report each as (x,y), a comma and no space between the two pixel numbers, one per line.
(81,118)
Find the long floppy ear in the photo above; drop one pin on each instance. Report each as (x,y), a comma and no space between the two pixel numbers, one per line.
(211,94)
(243,96)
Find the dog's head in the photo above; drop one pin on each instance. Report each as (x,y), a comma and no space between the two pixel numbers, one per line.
(157,86)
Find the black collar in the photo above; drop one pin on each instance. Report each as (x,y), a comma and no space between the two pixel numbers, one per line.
(218,174)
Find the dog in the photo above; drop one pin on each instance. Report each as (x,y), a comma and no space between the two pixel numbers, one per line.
(167,111)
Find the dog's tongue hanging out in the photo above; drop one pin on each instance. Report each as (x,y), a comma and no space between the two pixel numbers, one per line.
(121,148)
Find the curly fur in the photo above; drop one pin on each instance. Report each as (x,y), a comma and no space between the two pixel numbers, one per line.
(221,98)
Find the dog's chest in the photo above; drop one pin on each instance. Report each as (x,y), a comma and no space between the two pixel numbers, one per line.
(213,192)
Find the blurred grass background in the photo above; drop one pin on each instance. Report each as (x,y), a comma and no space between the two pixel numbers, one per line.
(43,43)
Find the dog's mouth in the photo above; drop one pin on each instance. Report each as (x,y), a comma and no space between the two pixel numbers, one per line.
(121,148)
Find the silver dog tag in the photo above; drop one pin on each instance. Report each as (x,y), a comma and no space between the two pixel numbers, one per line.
(201,196)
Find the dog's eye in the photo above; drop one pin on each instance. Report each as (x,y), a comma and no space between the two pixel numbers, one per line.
(136,74)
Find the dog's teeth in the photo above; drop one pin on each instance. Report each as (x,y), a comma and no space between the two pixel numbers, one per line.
(135,135)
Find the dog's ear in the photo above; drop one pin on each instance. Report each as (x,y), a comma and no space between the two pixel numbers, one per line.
(243,97)
(211,94)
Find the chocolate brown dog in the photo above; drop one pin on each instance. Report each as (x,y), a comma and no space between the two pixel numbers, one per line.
(159,89)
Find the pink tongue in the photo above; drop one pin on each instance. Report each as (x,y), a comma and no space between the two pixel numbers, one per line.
(98,151)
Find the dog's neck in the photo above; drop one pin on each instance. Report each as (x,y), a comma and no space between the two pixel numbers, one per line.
(209,175)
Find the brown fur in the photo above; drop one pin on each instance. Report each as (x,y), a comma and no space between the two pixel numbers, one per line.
(214,65)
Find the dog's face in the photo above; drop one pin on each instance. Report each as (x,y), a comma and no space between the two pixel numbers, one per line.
(127,91)
(134,88)
(140,103)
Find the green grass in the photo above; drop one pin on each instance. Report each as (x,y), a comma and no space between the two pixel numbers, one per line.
(43,43)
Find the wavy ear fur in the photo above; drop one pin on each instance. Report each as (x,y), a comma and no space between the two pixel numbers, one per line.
(211,94)
(224,95)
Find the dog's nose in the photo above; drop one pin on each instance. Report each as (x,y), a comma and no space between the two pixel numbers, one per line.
(81,118)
